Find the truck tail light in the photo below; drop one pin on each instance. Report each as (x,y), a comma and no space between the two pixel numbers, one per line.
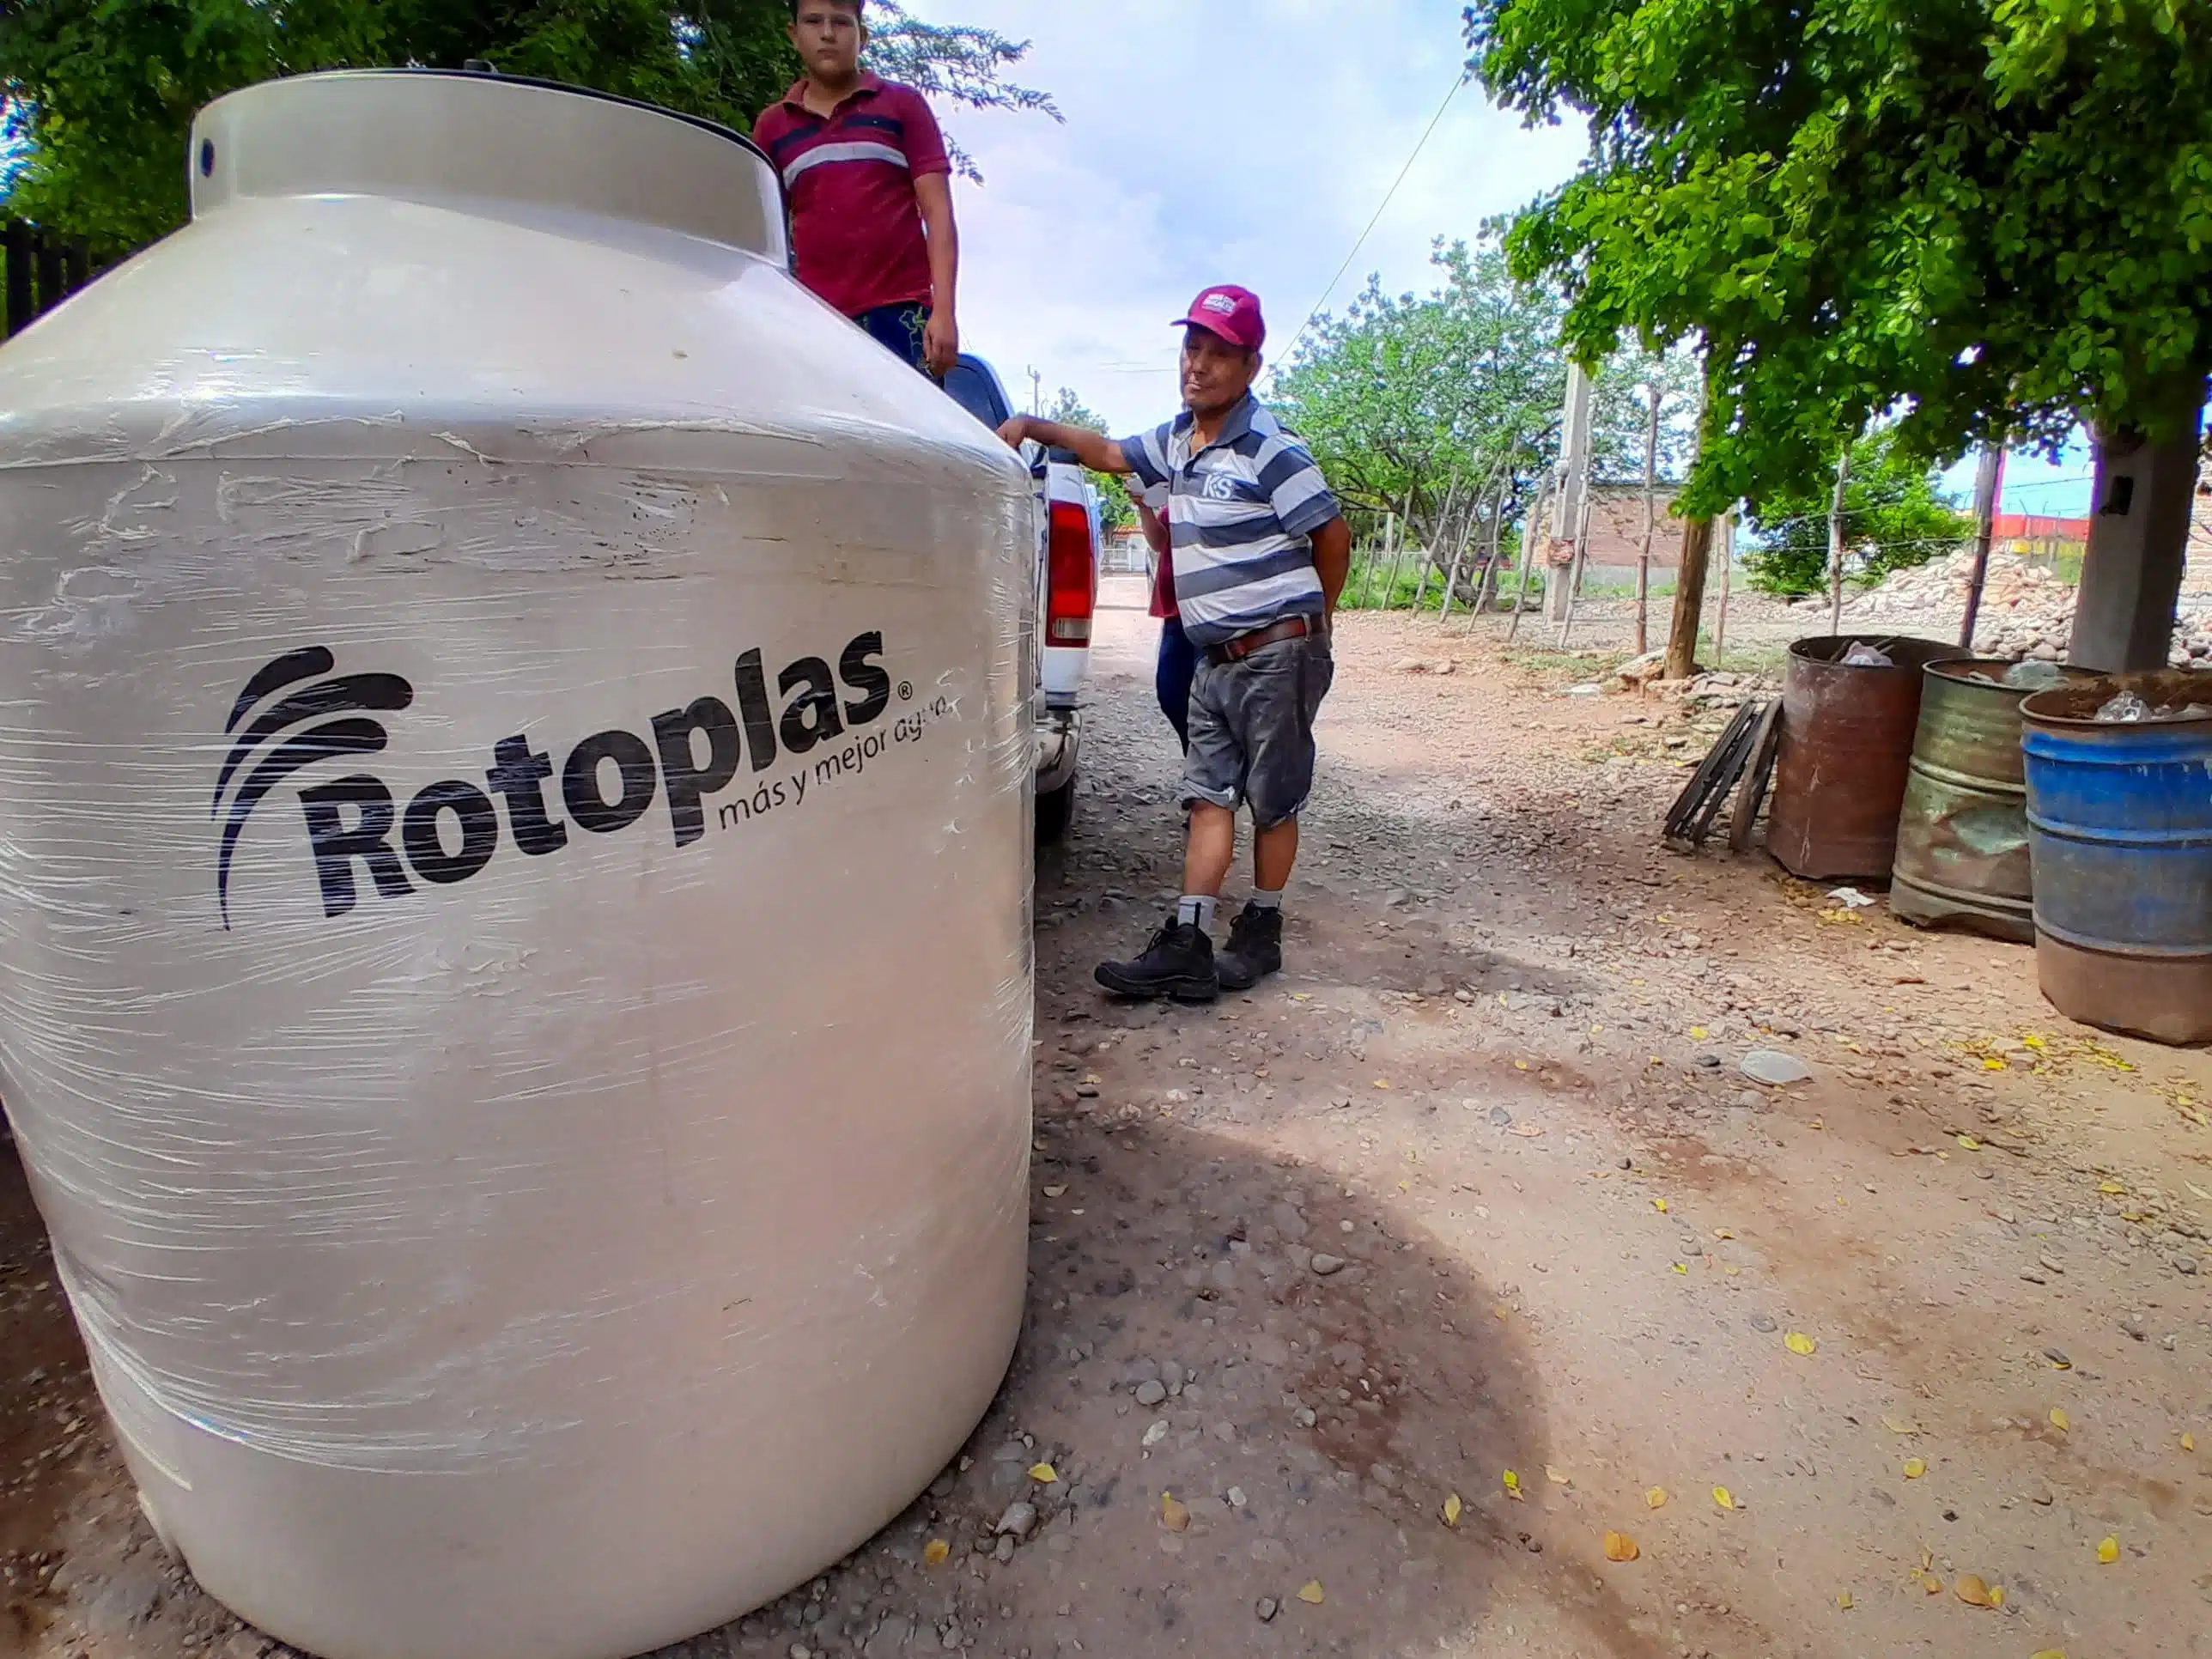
(1071,576)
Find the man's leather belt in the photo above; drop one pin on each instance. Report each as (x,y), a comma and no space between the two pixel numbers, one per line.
(1235,650)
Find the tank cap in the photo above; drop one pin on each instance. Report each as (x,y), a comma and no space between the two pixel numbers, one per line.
(477,66)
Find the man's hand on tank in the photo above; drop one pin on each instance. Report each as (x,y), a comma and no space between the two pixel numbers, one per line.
(1016,431)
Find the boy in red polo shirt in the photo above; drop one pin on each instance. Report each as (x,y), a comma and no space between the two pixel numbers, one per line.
(870,190)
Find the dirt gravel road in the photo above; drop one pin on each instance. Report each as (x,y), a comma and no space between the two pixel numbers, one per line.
(1470,1217)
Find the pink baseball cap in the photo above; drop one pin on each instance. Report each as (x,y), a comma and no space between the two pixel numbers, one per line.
(1230,312)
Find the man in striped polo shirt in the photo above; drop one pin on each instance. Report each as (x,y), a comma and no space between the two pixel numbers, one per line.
(1260,553)
(870,190)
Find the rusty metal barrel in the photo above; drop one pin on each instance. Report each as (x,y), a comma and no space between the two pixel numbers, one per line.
(2119,817)
(1962,857)
(1847,731)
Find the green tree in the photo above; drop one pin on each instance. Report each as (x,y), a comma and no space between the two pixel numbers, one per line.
(102,93)
(1426,406)
(1895,515)
(1974,218)
(1114,503)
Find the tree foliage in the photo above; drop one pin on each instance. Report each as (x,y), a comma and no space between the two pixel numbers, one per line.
(1413,404)
(1895,515)
(1621,418)
(1975,217)
(102,93)
(1114,504)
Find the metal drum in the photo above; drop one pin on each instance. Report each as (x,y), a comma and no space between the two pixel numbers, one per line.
(1962,836)
(1847,733)
(2120,825)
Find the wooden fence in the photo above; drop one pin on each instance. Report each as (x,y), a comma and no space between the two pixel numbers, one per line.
(42,270)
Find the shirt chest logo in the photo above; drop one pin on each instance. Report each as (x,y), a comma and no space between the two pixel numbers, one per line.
(1218,485)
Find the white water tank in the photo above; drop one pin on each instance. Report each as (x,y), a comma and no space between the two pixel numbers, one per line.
(514,866)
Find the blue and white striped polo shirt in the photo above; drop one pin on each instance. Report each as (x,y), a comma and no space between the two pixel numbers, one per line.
(1241,513)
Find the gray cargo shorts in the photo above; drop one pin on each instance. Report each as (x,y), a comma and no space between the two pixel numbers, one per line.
(1251,729)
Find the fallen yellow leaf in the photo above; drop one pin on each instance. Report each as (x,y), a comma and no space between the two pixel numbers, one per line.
(1725,1497)
(1558,1476)
(1453,1510)
(1932,1584)
(1382,1082)
(1993,1064)
(2048,1653)
(1513,1487)
(1698,1034)
(2059,1421)
(1312,1594)
(1619,1546)
(2109,1551)
(1682,1270)
(935,1552)
(1043,1473)
(2189,1443)
(1914,1468)
(1844,1600)
(1996,1596)
(1970,1143)
(2111,1188)
(1520,1064)
(1722,1232)
(1175,1517)
(1973,1592)
(1656,1498)
(1798,1343)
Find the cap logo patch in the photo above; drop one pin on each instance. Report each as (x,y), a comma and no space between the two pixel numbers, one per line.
(1220,304)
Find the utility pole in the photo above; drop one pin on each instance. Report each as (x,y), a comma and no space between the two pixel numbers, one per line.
(1836,544)
(1727,570)
(1989,487)
(1037,394)
(1574,485)
(1651,523)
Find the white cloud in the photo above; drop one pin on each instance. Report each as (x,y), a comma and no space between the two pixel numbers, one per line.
(1244,140)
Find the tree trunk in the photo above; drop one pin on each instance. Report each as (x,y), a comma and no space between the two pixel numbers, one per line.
(1689,600)
(1650,524)
(2138,543)
(1836,544)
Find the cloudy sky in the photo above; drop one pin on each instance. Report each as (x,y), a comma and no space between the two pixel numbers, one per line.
(1252,147)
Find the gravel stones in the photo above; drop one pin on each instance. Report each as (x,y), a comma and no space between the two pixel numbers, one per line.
(1325,1267)
(1151,1394)
(1018,1521)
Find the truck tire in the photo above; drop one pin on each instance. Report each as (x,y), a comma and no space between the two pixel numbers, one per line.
(1055,808)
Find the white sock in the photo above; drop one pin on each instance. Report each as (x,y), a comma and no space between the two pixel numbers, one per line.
(1196,910)
(1263,900)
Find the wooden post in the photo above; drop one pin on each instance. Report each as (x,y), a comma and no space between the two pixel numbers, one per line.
(1689,600)
(22,294)
(1650,524)
(1528,561)
(1727,568)
(50,273)
(1989,485)
(1836,544)
(1394,538)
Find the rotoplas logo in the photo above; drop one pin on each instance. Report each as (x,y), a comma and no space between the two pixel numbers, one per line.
(297,713)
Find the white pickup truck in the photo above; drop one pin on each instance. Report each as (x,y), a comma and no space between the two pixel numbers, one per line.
(1069,538)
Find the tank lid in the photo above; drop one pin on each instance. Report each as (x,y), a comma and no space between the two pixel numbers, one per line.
(430,135)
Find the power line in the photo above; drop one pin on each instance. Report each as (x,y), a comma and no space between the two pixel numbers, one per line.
(1421,144)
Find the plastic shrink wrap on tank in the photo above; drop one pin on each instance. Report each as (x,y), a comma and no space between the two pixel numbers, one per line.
(514,963)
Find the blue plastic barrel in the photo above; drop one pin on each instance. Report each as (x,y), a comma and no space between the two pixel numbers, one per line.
(2120,834)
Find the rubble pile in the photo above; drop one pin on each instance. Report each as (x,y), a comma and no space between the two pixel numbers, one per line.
(2026,611)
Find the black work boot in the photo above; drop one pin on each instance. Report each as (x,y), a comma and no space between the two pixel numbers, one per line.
(1254,949)
(1178,963)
